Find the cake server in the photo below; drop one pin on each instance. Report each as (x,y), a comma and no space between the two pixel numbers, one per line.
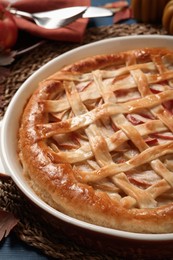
(61,17)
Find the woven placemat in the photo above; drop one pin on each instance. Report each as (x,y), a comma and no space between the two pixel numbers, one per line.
(30,229)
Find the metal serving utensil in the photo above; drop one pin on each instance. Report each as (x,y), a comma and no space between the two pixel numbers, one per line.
(64,16)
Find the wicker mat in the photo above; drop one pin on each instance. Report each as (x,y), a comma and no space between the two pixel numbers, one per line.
(30,229)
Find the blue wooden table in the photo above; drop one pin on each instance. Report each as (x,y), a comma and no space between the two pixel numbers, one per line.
(12,248)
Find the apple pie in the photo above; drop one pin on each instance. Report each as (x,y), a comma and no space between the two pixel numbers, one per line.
(96,140)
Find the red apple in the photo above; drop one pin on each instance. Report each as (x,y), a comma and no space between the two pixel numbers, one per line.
(8,29)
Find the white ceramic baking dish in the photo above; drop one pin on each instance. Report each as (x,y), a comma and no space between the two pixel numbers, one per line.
(119,242)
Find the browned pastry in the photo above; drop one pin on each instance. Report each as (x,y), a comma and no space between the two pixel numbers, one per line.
(96,140)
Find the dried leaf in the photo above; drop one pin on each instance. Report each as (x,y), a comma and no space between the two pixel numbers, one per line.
(7,57)
(7,223)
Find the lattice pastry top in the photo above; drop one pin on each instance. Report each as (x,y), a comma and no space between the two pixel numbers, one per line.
(96,140)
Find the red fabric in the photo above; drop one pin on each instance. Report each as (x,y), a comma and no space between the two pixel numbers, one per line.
(74,32)
(123,14)
(122,10)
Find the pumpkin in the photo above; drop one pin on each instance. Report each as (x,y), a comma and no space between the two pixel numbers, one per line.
(148,11)
(167,19)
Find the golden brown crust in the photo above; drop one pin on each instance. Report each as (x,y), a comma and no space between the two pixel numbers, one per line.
(96,140)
